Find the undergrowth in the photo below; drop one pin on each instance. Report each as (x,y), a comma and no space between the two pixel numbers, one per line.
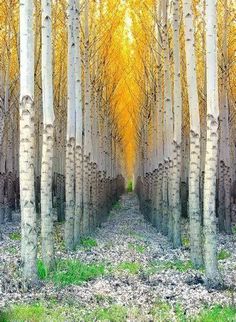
(15,236)
(223,254)
(71,272)
(88,242)
(161,311)
(130,267)
(178,265)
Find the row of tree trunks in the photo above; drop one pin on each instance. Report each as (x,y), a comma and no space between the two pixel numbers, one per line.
(92,181)
(159,187)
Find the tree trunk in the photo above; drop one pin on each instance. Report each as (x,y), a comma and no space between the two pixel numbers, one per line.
(212,273)
(194,166)
(87,126)
(48,138)
(27,143)
(70,143)
(177,132)
(79,132)
(224,211)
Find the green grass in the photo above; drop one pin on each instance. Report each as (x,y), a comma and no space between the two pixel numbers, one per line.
(114,313)
(130,186)
(71,272)
(42,270)
(15,236)
(23,312)
(130,267)
(178,265)
(40,312)
(223,254)
(137,247)
(117,205)
(88,242)
(217,314)
(185,242)
(163,311)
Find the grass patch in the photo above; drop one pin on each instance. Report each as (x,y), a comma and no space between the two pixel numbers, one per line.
(130,186)
(23,312)
(42,312)
(71,272)
(42,270)
(130,267)
(157,266)
(217,313)
(163,311)
(223,254)
(88,242)
(15,236)
(186,242)
(117,205)
(137,247)
(114,313)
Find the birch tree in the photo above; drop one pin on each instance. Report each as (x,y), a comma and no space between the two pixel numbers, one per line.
(168,129)
(79,131)
(71,132)
(224,211)
(177,130)
(48,137)
(194,165)
(212,273)
(27,143)
(87,126)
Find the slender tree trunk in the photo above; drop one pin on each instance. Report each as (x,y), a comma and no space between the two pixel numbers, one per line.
(177,131)
(168,125)
(27,143)
(70,142)
(79,132)
(194,166)
(87,127)
(212,273)
(48,138)
(224,211)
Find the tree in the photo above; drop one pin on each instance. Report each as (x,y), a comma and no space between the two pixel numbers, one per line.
(168,130)
(71,131)
(79,131)
(212,273)
(48,137)
(27,143)
(194,165)
(177,130)
(224,210)
(87,127)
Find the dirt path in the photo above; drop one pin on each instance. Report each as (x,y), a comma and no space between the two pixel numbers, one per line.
(142,270)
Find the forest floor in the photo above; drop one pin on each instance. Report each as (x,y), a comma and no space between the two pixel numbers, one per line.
(125,271)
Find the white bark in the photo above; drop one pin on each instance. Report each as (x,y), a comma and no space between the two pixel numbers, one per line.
(48,138)
(177,131)
(224,211)
(87,125)
(79,131)
(27,144)
(212,273)
(194,166)
(168,126)
(70,143)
